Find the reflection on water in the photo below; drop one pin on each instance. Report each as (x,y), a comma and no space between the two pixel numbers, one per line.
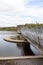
(27,50)
(12,49)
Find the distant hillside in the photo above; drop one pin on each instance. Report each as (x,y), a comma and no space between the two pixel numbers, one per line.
(8,28)
(33,25)
(20,26)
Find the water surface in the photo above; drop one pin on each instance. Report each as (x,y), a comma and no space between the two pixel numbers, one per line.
(8,49)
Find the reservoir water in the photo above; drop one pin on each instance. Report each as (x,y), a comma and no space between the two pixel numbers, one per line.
(9,49)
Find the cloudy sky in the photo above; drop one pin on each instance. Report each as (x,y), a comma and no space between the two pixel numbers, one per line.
(15,12)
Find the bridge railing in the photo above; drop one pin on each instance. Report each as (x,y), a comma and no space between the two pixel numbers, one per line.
(36,36)
(27,60)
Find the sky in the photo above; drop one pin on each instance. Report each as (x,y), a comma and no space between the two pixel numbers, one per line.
(17,12)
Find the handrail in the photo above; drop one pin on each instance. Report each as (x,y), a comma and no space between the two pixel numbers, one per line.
(21,57)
